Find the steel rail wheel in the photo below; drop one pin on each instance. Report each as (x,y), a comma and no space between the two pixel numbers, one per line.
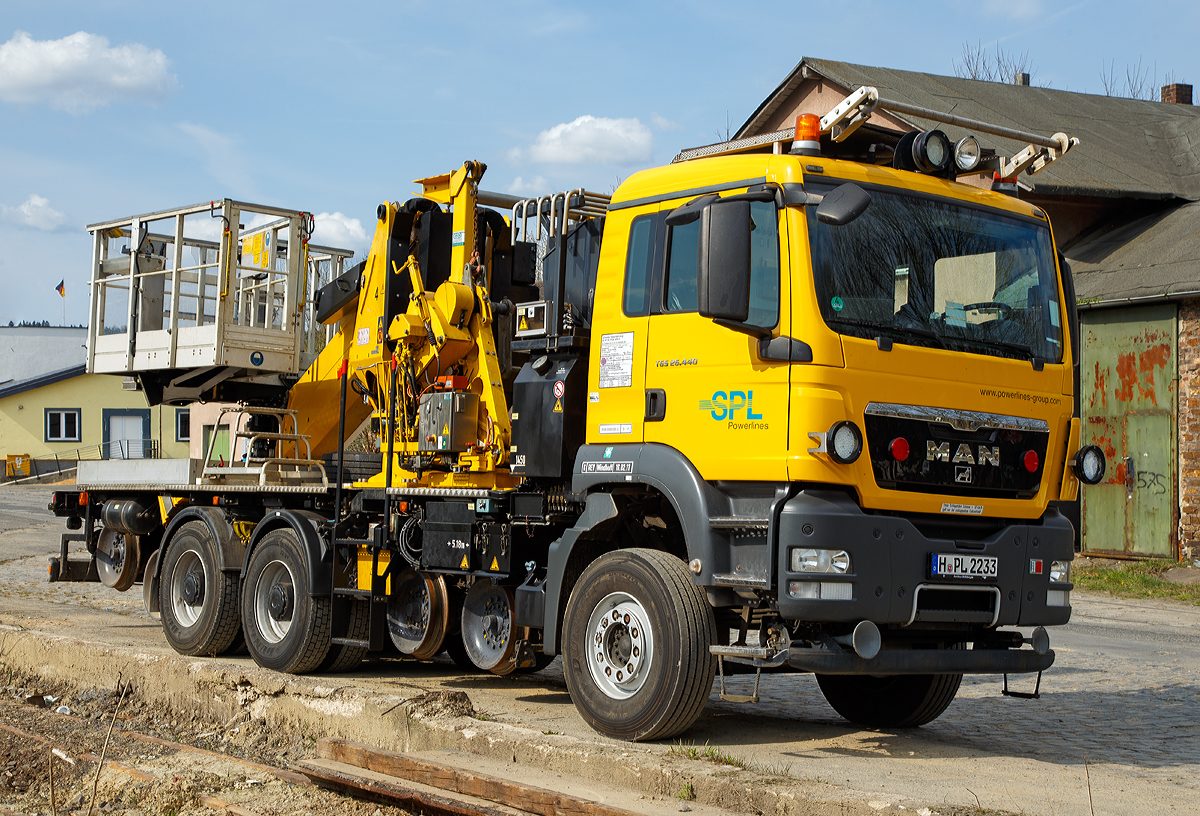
(117,556)
(487,627)
(198,603)
(286,629)
(418,614)
(636,639)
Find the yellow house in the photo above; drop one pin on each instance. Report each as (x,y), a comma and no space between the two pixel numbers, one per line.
(61,417)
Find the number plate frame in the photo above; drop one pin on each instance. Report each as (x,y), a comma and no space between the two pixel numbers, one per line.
(958,566)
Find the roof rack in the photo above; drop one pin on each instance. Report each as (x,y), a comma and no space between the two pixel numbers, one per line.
(849,114)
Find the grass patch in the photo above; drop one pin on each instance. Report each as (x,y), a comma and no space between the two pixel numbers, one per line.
(1133,579)
(713,754)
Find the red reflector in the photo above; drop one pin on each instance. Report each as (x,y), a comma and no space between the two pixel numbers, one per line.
(1030,460)
(1035,566)
(899,448)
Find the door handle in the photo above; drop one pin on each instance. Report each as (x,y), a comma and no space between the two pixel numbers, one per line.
(1130,477)
(656,405)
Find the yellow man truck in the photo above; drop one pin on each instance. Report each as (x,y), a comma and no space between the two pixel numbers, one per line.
(796,403)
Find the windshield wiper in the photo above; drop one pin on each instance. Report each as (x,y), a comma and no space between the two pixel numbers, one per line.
(900,330)
(1036,359)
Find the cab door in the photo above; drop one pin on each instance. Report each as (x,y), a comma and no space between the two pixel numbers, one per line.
(708,393)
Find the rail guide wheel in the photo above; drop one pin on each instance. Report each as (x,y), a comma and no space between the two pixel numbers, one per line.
(418,614)
(117,556)
(487,627)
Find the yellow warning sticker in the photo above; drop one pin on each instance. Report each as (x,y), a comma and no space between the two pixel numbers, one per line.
(495,567)
(445,429)
(524,325)
(465,564)
(558,406)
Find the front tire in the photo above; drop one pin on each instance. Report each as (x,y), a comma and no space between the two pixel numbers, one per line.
(636,638)
(891,701)
(198,602)
(286,629)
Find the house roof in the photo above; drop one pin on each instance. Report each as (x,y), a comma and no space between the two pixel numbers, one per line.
(13,388)
(1128,148)
(1150,258)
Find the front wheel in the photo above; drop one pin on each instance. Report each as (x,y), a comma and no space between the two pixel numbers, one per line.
(636,639)
(286,629)
(890,701)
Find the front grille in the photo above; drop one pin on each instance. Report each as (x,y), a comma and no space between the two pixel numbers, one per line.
(955,604)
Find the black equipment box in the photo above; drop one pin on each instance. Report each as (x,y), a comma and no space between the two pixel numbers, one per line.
(549,413)
(447,534)
(495,546)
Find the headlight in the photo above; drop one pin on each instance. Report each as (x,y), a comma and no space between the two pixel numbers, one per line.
(844,442)
(1089,464)
(932,151)
(966,154)
(809,560)
(1060,571)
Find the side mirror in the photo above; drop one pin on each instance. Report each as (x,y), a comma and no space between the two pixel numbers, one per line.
(723,280)
(843,204)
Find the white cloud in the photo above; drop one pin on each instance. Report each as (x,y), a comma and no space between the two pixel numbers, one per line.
(534,187)
(81,72)
(225,163)
(340,231)
(590,140)
(35,212)
(662,123)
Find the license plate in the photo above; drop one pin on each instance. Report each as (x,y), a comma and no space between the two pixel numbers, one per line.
(964,566)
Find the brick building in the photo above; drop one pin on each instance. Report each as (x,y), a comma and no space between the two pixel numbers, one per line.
(1125,209)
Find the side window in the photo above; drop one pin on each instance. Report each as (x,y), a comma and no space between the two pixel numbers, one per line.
(764,265)
(636,296)
(682,265)
(62,424)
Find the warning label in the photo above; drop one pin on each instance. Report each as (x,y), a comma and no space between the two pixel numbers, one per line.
(616,360)
(963,509)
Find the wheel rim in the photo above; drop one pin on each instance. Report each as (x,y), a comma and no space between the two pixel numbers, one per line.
(274,601)
(188,588)
(487,626)
(620,645)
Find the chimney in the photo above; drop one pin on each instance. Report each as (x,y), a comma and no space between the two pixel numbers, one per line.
(1177,93)
(1023,79)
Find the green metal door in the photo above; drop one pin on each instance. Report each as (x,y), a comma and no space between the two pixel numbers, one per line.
(1128,408)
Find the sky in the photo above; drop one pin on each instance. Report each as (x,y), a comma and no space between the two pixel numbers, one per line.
(109,109)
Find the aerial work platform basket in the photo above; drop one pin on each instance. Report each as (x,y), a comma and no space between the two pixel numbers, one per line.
(195,300)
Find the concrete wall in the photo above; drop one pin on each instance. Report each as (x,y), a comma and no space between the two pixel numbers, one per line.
(23,416)
(31,351)
(1189,429)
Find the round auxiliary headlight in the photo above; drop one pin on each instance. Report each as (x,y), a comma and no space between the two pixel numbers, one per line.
(932,151)
(966,154)
(844,442)
(1089,464)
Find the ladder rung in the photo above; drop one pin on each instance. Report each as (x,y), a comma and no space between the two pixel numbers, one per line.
(353,593)
(366,644)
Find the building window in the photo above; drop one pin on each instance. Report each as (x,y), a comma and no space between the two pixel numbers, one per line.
(183,425)
(62,424)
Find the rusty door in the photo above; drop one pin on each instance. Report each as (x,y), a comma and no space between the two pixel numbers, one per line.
(1128,408)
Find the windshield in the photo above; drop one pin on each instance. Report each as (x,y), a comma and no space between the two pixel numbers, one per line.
(935,272)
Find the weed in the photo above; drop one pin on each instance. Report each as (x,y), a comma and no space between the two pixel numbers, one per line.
(482,716)
(687,792)
(552,733)
(1134,579)
(712,753)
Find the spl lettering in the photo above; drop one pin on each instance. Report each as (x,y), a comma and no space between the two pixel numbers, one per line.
(726,406)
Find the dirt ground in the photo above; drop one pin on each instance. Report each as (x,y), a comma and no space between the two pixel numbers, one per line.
(170,780)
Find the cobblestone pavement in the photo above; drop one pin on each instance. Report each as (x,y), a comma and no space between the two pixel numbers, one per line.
(1123,697)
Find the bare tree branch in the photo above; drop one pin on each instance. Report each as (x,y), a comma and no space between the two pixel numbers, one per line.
(997,66)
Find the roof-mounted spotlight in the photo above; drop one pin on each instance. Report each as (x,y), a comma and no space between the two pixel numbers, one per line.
(967,154)
(932,151)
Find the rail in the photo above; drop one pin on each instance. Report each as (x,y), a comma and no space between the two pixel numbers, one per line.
(64,461)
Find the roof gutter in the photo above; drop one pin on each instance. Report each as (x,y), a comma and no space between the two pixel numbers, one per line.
(1142,300)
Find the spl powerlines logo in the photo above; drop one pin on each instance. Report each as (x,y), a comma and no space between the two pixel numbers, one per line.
(736,409)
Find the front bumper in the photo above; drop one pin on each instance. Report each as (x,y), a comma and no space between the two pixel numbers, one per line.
(890,580)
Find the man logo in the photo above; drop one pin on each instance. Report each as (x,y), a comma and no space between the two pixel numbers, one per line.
(962,475)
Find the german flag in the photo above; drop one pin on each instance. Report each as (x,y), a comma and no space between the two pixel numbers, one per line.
(61,288)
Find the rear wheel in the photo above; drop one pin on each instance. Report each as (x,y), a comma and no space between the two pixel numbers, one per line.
(891,701)
(198,602)
(117,556)
(636,639)
(286,629)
